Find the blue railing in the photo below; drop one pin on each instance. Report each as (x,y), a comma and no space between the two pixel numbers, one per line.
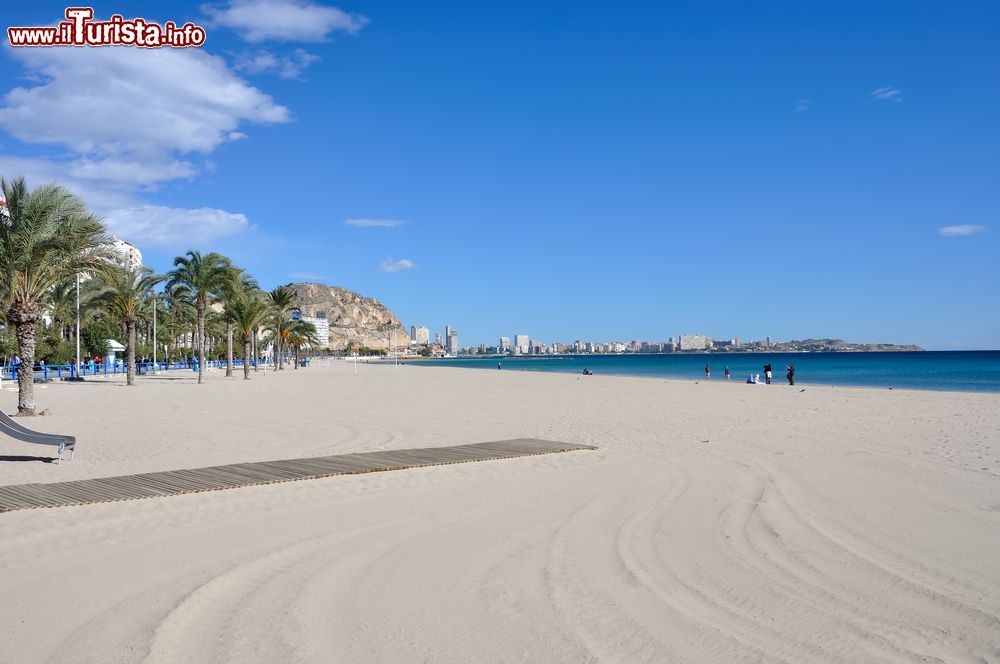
(64,371)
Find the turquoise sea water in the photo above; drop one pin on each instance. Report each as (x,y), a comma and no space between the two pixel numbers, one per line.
(977,371)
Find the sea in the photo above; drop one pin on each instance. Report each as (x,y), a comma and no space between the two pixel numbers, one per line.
(966,371)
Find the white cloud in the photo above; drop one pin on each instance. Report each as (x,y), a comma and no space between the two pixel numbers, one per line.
(130,173)
(166,227)
(127,113)
(286,66)
(124,120)
(391,266)
(802,105)
(965,229)
(285,20)
(375,223)
(887,94)
(100,196)
(125,215)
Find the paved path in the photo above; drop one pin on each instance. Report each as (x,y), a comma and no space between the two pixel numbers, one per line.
(213,478)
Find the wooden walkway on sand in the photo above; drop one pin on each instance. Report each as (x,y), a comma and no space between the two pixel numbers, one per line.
(213,478)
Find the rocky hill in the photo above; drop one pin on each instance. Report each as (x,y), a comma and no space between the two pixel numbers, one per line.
(839,345)
(354,319)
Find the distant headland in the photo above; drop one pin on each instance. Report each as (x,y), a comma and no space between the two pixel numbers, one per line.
(821,346)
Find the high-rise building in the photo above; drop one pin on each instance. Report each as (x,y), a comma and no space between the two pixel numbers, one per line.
(437,338)
(127,253)
(419,335)
(452,342)
(504,344)
(447,332)
(521,344)
(322,326)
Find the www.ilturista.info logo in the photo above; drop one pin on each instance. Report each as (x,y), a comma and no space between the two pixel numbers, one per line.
(79,29)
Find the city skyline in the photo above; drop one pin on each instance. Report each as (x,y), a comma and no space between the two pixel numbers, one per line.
(524,344)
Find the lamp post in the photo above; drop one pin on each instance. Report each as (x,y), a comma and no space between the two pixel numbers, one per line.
(78,326)
(154,333)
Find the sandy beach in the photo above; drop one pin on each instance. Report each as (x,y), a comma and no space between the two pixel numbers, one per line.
(714,523)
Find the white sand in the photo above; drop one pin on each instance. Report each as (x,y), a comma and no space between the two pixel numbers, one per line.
(716,523)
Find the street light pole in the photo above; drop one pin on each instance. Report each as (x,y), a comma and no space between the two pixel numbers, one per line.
(154,333)
(78,325)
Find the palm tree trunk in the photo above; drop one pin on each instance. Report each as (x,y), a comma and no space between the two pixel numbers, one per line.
(229,349)
(201,344)
(130,357)
(255,369)
(23,319)
(297,359)
(246,357)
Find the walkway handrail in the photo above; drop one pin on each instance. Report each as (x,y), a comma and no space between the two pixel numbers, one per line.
(64,371)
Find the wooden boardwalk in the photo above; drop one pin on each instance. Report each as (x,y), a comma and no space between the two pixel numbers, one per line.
(213,478)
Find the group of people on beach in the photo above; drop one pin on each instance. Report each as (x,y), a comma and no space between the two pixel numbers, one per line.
(755,378)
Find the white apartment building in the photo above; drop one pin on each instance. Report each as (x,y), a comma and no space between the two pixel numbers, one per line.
(129,255)
(420,335)
(322,326)
(522,345)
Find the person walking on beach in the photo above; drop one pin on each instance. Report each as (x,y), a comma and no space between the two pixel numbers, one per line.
(767,373)
(790,372)
(708,372)
(725,373)
(499,366)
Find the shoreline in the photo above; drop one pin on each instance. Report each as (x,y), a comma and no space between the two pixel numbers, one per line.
(425,362)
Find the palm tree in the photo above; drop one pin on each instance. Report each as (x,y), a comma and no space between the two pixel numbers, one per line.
(180,316)
(215,329)
(47,238)
(301,333)
(241,283)
(282,301)
(247,310)
(60,302)
(124,294)
(202,277)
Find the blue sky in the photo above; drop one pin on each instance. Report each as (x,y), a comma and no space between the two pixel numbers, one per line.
(567,170)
